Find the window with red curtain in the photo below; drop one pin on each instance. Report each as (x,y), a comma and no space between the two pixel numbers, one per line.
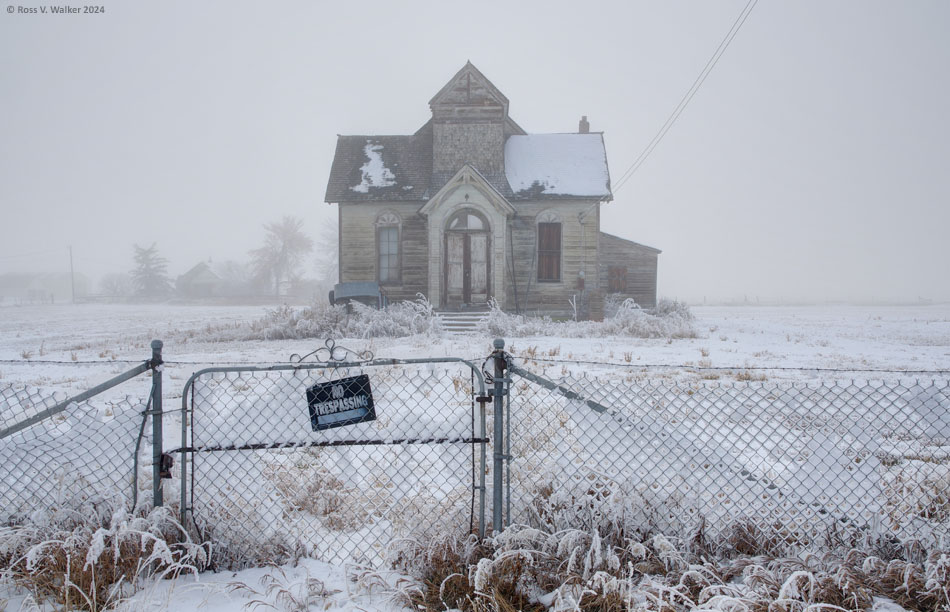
(617,279)
(549,252)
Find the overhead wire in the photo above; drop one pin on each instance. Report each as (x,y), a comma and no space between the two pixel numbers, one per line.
(688,96)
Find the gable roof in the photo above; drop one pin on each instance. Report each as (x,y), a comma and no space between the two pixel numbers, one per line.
(200,273)
(604,236)
(558,165)
(469,93)
(537,166)
(381,168)
(468,175)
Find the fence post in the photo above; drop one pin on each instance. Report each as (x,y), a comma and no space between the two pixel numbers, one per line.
(156,364)
(499,434)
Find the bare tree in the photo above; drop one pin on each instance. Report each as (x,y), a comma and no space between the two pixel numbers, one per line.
(116,284)
(285,246)
(328,257)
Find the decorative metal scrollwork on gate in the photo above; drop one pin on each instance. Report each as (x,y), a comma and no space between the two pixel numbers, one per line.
(331,352)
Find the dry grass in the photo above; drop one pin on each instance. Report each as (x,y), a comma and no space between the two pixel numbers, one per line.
(88,560)
(286,593)
(530,569)
(575,555)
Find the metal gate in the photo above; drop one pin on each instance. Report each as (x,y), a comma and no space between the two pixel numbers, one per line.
(333,455)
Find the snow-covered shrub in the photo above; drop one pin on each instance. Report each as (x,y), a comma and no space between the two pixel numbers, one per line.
(286,323)
(673,308)
(672,319)
(92,556)
(612,302)
(397,320)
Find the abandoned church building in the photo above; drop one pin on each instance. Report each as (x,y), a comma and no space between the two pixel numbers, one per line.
(471,207)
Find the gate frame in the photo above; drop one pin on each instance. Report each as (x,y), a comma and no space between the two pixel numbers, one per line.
(331,363)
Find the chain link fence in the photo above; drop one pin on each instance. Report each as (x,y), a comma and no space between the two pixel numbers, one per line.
(337,458)
(69,457)
(331,460)
(795,464)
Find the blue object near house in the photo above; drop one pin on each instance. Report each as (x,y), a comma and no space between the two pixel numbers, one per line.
(365,292)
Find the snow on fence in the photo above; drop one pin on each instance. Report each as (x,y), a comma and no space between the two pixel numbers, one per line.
(83,454)
(266,479)
(264,475)
(804,465)
(66,458)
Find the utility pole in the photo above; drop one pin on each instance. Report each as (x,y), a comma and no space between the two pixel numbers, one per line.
(72,276)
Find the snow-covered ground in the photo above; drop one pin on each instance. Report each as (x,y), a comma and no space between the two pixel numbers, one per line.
(847,338)
(65,349)
(309,585)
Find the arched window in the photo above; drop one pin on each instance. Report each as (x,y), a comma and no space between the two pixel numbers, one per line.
(467,220)
(387,248)
(549,247)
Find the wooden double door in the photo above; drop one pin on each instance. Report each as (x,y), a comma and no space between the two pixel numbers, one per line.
(466,268)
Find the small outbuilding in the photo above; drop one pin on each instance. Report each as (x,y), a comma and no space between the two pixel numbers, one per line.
(198,282)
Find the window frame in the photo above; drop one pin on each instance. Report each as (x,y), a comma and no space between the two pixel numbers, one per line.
(385,222)
(550,255)
(619,275)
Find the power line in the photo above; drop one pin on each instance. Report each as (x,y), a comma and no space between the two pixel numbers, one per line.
(688,96)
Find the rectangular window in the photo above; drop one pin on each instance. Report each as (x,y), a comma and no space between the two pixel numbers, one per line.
(388,239)
(616,279)
(549,251)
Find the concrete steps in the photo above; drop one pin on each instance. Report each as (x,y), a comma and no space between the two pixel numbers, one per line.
(462,321)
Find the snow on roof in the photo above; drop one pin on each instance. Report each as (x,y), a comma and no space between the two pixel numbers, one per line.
(374,173)
(558,164)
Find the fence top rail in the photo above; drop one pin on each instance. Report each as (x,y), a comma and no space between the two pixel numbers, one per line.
(76,399)
(334,365)
(726,368)
(902,379)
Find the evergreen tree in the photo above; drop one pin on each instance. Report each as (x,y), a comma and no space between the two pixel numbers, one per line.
(150,276)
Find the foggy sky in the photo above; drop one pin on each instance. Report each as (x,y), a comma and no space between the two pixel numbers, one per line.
(812,165)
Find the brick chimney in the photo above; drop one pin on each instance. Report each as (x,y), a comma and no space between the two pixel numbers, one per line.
(583,127)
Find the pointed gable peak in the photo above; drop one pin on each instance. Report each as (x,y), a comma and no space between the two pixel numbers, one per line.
(469,95)
(467,175)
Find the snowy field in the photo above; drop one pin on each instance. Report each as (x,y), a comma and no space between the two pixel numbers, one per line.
(62,350)
(804,339)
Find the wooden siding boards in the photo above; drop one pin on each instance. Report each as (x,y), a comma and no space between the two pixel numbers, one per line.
(579,245)
(358,246)
(640,262)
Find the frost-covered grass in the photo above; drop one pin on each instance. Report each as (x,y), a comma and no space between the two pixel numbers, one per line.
(670,319)
(745,567)
(93,555)
(599,566)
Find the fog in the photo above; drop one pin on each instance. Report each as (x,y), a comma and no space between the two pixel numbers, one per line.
(812,164)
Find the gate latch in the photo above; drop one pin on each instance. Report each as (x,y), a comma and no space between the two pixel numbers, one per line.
(165,467)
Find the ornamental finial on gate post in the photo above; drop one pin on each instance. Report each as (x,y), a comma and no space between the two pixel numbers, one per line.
(331,352)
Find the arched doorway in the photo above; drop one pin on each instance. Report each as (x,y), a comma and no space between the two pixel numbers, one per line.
(466,262)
